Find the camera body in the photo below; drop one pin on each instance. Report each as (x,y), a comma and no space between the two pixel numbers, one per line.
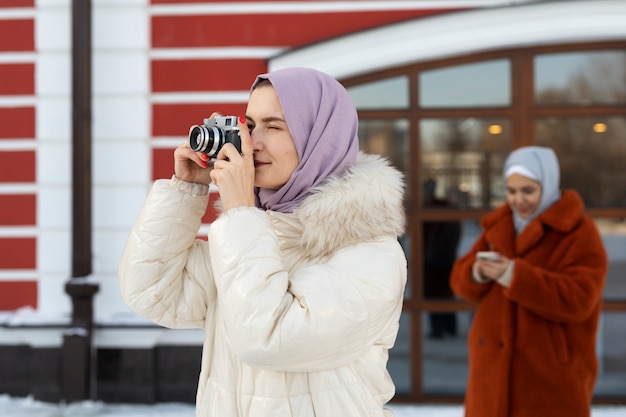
(213,134)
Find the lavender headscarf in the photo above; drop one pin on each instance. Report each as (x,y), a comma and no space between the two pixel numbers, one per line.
(323,123)
(539,164)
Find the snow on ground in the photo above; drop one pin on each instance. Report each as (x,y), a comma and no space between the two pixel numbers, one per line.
(27,407)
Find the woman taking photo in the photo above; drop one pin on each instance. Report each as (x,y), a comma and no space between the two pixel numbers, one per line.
(299,287)
(538,291)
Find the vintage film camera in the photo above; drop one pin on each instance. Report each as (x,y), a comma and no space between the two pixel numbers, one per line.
(213,134)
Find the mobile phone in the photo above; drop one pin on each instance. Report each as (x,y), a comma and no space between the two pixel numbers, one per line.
(488,255)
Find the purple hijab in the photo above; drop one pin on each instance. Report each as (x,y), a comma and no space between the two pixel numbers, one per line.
(323,123)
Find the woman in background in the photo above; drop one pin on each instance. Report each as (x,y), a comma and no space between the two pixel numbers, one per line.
(539,295)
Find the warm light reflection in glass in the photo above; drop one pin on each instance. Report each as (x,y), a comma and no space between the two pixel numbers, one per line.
(494,129)
(599,127)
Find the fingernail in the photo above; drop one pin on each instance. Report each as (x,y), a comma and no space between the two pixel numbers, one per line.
(204,164)
(204,156)
(242,119)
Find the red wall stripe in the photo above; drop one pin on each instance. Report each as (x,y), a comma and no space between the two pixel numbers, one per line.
(17,3)
(205,74)
(176,119)
(17,35)
(162,163)
(17,166)
(17,122)
(18,210)
(18,253)
(17,79)
(16,294)
(289,29)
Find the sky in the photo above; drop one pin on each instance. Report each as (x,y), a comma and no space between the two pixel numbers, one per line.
(28,407)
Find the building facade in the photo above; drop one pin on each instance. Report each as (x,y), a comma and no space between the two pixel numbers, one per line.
(445,89)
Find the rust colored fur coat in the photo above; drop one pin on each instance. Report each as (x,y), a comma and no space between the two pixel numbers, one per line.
(532,345)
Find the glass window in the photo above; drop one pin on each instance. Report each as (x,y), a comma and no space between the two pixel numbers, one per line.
(611,355)
(443,243)
(450,129)
(445,360)
(405,242)
(390,93)
(581,78)
(440,245)
(613,233)
(399,364)
(464,158)
(482,84)
(591,151)
(388,138)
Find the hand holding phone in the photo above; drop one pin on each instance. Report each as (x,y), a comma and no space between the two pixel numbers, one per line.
(489,256)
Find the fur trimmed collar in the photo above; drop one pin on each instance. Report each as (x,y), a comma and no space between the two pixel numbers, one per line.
(563,215)
(363,204)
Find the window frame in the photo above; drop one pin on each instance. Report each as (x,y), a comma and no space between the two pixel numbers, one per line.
(522,114)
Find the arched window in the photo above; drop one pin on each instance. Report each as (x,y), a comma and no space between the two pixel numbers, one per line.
(449,125)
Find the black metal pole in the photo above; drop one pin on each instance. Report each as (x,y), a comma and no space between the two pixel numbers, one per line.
(77,354)
(81,138)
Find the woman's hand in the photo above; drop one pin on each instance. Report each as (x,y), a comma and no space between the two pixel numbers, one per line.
(492,269)
(233,173)
(192,166)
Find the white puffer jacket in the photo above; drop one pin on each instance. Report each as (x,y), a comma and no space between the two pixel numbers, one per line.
(299,310)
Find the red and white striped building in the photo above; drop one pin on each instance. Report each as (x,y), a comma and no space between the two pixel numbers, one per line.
(160,66)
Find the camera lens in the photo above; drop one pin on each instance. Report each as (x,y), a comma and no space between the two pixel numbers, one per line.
(205,139)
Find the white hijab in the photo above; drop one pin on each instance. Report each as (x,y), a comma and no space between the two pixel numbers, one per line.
(539,164)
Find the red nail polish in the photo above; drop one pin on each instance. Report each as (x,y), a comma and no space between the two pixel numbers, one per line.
(242,119)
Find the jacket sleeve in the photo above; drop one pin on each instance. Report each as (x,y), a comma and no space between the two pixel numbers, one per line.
(569,289)
(164,271)
(319,316)
(461,280)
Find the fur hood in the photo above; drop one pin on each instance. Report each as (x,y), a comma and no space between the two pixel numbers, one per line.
(363,204)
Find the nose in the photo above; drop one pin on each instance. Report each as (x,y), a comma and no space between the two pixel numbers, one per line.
(257,142)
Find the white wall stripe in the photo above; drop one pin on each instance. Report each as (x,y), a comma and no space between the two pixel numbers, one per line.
(17,188)
(167,142)
(211,53)
(321,7)
(8,275)
(18,231)
(17,101)
(18,145)
(212,97)
(17,13)
(17,57)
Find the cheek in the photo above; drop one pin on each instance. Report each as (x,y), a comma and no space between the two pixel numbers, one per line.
(292,156)
(536,199)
